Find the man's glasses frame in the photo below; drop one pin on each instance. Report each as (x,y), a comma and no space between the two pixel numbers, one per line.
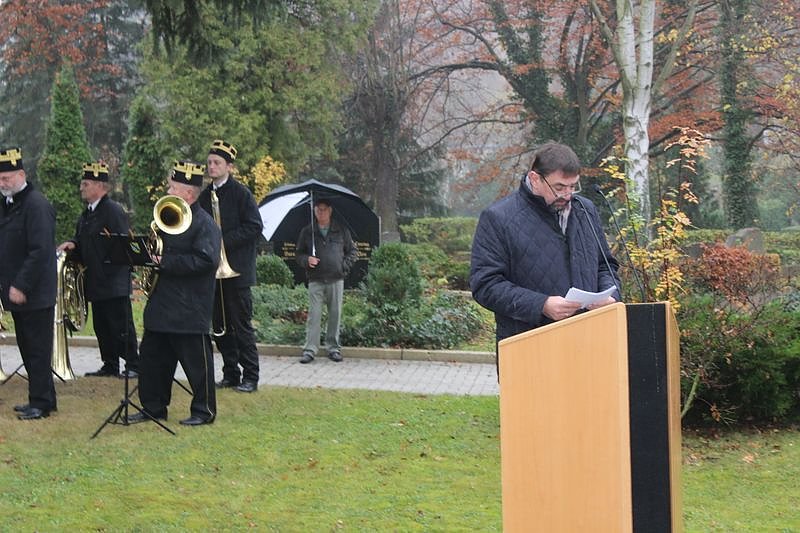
(561,190)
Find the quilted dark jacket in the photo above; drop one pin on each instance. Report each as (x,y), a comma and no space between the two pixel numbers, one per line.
(520,257)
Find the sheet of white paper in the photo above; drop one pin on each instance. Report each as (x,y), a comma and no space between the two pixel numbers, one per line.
(586,298)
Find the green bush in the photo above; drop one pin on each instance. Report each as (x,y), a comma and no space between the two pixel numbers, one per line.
(431,260)
(450,234)
(272,270)
(747,364)
(279,313)
(394,278)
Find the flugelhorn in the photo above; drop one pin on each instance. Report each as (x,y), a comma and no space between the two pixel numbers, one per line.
(172,215)
(224,270)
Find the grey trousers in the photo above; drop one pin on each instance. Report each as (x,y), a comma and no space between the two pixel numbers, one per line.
(330,295)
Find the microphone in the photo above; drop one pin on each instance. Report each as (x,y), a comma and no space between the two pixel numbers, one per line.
(597,240)
(596,188)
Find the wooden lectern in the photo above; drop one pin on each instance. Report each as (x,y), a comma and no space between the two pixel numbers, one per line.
(590,423)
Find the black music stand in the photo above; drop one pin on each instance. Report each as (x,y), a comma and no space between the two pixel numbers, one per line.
(131,250)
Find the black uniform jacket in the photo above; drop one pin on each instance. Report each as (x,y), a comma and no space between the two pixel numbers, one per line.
(183,298)
(27,250)
(102,280)
(241,228)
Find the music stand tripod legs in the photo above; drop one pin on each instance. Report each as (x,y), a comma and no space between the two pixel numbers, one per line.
(120,414)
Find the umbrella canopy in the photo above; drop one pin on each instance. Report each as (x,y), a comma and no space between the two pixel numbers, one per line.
(289,208)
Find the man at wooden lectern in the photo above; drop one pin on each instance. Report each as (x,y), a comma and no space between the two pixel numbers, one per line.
(533,245)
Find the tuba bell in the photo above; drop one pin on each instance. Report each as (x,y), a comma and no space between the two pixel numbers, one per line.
(172,215)
(70,312)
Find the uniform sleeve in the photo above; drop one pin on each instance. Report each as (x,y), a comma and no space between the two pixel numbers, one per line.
(40,235)
(250,224)
(202,257)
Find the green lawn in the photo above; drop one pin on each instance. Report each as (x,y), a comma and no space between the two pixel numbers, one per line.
(310,460)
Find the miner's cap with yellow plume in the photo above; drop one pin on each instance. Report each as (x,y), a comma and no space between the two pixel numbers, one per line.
(10,159)
(96,171)
(223,149)
(188,172)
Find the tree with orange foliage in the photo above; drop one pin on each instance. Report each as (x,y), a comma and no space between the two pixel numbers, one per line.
(39,36)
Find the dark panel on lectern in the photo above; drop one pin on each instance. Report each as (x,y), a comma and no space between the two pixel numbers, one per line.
(649,422)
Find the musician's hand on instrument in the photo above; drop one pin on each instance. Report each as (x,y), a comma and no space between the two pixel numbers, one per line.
(312,261)
(16,296)
(66,246)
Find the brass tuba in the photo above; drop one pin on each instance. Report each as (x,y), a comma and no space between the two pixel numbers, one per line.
(224,270)
(70,312)
(172,215)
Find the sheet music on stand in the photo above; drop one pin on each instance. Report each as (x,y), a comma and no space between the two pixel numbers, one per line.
(127,249)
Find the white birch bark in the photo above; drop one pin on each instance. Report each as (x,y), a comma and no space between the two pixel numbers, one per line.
(632,47)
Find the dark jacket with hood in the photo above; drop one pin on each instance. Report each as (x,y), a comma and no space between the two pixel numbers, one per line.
(520,257)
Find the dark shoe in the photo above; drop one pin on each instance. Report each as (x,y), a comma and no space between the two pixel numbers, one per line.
(196,421)
(307,357)
(130,374)
(33,413)
(24,407)
(247,386)
(336,357)
(103,373)
(226,383)
(137,418)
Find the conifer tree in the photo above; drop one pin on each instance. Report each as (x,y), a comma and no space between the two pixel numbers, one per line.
(144,164)
(66,150)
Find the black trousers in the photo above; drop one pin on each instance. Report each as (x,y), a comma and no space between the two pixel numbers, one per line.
(34,330)
(238,345)
(115,332)
(160,354)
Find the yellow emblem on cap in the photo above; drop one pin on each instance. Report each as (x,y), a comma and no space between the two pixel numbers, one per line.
(12,155)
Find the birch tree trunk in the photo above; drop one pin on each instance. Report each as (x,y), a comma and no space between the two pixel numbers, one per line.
(632,47)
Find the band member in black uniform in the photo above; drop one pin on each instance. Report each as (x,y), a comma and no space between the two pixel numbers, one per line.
(28,279)
(177,317)
(107,286)
(241,230)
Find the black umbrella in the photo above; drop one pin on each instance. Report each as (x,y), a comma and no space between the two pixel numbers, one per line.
(289,208)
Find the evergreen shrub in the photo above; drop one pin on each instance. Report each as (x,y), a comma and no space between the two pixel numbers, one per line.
(272,270)
(452,234)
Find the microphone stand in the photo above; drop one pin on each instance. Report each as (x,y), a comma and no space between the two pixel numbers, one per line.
(639,283)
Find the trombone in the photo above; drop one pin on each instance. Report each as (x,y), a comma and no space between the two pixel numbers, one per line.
(172,215)
(224,270)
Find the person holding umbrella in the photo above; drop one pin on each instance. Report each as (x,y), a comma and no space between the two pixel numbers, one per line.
(326,251)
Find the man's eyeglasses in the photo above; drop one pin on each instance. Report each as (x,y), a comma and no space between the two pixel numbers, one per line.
(560,190)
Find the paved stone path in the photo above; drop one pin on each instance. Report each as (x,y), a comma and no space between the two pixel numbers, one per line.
(424,377)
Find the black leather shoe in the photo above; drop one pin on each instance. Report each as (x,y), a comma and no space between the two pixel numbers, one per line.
(196,421)
(103,373)
(336,357)
(306,358)
(25,406)
(137,418)
(33,413)
(131,374)
(226,383)
(247,386)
